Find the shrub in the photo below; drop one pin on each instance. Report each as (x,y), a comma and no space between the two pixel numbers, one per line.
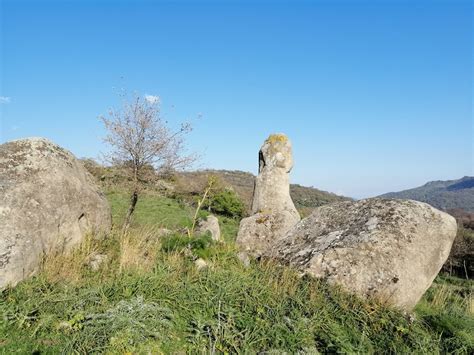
(178,243)
(226,202)
(123,327)
(461,259)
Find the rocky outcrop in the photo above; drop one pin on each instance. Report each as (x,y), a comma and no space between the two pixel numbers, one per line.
(388,249)
(48,203)
(211,225)
(273,210)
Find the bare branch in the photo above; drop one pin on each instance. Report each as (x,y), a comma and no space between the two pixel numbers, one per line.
(139,137)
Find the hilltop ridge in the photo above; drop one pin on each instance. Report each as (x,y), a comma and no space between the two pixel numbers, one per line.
(444,195)
(242,182)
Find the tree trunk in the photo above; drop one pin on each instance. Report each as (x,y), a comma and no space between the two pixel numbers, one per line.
(131,209)
(133,198)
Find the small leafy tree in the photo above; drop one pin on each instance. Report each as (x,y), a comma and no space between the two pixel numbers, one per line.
(140,138)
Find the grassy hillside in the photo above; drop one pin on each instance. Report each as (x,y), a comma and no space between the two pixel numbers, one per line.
(444,195)
(189,184)
(305,198)
(149,297)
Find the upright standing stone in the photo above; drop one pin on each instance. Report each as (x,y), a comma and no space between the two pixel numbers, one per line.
(272,185)
(273,210)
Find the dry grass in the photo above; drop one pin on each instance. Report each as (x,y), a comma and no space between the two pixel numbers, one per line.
(445,295)
(138,249)
(69,266)
(224,308)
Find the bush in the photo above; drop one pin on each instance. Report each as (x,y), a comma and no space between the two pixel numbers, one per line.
(122,327)
(225,202)
(461,259)
(199,246)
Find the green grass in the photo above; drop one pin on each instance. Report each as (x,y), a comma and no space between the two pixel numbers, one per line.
(151,210)
(448,307)
(155,210)
(150,298)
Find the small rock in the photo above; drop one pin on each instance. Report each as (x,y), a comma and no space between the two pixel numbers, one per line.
(163,232)
(211,225)
(64,326)
(201,264)
(244,258)
(96,261)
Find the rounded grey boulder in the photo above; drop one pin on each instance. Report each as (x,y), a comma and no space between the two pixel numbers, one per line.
(48,203)
(211,225)
(388,249)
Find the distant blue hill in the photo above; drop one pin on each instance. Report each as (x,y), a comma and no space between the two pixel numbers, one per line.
(444,195)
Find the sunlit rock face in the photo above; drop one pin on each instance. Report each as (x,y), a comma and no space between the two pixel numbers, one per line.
(273,211)
(48,203)
(388,249)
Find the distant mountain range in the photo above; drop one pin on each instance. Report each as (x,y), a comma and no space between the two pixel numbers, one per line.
(444,195)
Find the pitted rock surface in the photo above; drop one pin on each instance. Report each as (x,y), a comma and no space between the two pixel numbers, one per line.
(273,210)
(272,185)
(48,202)
(388,249)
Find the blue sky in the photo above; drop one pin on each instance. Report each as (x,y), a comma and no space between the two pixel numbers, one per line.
(375,95)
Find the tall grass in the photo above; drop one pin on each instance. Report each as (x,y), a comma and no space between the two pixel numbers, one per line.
(448,308)
(149,297)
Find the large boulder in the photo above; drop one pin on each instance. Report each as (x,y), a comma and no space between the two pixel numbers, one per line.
(273,211)
(48,203)
(388,249)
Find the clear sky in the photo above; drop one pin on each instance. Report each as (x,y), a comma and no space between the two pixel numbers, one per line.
(376,96)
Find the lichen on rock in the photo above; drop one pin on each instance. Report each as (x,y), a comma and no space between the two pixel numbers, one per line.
(388,249)
(48,203)
(273,211)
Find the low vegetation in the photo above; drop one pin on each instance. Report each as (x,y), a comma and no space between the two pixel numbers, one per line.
(225,202)
(461,259)
(148,297)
